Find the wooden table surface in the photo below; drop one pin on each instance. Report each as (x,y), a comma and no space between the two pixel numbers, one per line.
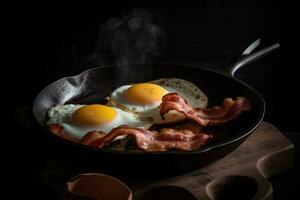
(243,174)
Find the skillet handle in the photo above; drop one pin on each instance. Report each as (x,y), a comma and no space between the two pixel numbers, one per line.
(250,55)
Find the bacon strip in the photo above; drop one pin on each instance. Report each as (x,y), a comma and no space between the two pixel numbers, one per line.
(163,140)
(208,116)
(58,130)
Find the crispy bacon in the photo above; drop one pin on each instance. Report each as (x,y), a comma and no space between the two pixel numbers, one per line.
(209,116)
(164,139)
(56,129)
(186,139)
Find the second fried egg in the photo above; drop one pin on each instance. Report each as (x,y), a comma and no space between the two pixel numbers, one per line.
(145,98)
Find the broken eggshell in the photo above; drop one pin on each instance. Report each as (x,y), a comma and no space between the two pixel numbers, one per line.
(93,186)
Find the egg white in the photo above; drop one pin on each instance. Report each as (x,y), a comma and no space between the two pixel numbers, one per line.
(62,115)
(186,89)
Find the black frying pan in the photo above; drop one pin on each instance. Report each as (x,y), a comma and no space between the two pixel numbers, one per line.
(93,85)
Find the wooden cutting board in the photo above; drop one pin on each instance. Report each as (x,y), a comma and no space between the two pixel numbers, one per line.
(240,175)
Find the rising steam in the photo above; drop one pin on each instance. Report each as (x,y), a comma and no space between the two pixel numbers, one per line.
(134,38)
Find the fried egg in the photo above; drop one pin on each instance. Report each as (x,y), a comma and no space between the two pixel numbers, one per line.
(145,98)
(78,120)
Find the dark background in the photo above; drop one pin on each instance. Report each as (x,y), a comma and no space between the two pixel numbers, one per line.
(49,42)
(53,41)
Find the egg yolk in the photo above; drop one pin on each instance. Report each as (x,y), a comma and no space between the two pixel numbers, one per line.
(92,115)
(145,93)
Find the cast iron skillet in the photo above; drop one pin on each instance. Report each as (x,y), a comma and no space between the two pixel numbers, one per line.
(93,85)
